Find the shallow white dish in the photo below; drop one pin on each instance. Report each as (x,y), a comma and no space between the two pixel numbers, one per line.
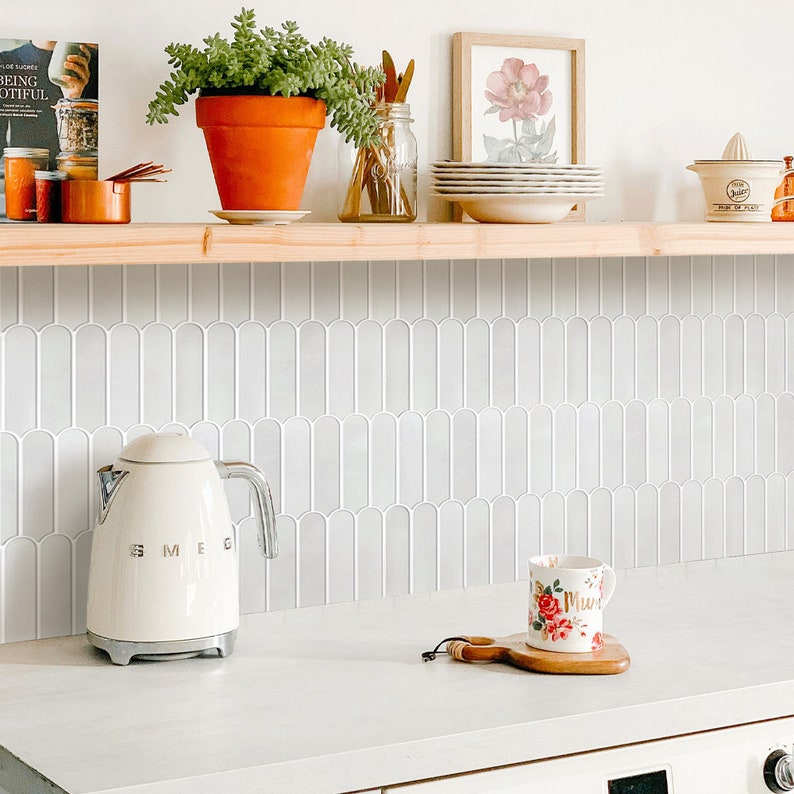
(500,178)
(515,175)
(560,167)
(517,209)
(462,187)
(266,217)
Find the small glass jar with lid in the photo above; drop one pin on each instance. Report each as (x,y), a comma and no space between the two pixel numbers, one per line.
(79,165)
(21,163)
(378,182)
(48,195)
(77,121)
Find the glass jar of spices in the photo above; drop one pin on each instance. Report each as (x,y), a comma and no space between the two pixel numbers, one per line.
(78,124)
(21,163)
(78,165)
(48,196)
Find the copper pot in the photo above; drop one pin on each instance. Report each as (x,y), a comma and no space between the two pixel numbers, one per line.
(90,201)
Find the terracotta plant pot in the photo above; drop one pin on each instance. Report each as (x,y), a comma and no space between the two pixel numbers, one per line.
(260,147)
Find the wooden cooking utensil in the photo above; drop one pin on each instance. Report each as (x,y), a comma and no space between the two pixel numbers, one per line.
(404,82)
(390,87)
(142,172)
(513,650)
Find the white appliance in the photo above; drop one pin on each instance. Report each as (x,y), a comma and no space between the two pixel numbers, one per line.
(163,580)
(745,759)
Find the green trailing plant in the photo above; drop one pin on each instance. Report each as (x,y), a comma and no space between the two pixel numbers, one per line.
(276,63)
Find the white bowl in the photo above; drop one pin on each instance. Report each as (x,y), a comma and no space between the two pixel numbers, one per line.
(512,208)
(738,190)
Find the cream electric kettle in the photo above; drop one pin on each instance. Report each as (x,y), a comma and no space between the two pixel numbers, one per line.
(163,580)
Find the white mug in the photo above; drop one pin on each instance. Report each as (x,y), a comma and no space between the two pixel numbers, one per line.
(567,596)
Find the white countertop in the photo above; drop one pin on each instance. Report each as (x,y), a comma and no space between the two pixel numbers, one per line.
(337,698)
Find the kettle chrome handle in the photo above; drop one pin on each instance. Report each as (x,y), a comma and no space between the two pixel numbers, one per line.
(263,501)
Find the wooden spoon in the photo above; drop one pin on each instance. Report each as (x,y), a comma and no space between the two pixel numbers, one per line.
(390,89)
(404,82)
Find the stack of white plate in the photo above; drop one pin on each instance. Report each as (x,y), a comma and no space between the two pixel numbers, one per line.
(516,192)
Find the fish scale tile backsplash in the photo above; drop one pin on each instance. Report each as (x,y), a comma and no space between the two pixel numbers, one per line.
(423,424)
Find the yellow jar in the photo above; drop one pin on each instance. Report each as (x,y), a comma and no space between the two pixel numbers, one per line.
(78,165)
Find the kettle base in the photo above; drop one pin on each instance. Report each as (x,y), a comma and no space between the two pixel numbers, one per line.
(122,651)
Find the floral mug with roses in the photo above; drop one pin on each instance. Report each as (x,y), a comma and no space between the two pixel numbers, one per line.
(567,596)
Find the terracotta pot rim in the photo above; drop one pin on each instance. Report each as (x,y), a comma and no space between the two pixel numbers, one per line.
(247,110)
(238,93)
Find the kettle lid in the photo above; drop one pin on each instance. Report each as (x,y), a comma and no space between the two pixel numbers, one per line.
(163,448)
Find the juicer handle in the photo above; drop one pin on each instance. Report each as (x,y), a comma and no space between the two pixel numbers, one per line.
(263,501)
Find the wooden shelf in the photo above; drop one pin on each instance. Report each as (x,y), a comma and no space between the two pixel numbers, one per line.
(148,243)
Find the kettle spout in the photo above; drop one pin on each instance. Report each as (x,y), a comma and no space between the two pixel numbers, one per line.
(108,480)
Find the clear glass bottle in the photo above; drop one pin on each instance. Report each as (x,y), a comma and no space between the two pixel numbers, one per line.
(378,183)
(783,206)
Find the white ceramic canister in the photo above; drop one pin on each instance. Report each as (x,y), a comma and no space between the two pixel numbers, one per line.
(738,190)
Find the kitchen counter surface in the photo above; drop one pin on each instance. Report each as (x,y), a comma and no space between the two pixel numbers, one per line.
(337,698)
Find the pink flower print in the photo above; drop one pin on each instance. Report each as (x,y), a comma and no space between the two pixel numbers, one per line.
(519,91)
(559,628)
(598,641)
(549,606)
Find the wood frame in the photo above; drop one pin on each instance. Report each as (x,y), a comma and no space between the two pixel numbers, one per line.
(462,44)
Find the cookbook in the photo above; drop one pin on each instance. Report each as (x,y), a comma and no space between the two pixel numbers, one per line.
(49,97)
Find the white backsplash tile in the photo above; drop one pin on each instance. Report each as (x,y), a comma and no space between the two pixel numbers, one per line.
(423,425)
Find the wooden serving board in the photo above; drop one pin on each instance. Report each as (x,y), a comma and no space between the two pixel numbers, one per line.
(513,650)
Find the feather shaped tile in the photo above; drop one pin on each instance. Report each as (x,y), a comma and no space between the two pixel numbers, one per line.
(423,425)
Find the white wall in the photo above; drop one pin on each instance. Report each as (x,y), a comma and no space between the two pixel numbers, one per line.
(666,83)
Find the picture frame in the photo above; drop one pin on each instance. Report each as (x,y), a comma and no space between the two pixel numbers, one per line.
(550,130)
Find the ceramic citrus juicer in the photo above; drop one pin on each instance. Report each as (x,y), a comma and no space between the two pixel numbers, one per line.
(737,187)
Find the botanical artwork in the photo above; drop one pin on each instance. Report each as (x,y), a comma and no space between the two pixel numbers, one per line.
(521,96)
(519,103)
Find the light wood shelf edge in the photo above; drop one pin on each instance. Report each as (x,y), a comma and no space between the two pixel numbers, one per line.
(175,243)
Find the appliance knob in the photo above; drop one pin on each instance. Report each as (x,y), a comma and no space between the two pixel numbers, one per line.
(779,771)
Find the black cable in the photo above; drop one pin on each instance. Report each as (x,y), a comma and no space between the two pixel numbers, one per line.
(428,656)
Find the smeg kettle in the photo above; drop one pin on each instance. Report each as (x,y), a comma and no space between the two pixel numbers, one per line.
(163,579)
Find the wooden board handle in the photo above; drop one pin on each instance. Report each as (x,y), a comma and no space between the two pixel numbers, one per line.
(513,650)
(475,649)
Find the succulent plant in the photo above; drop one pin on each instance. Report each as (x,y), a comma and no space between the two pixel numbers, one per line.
(276,63)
